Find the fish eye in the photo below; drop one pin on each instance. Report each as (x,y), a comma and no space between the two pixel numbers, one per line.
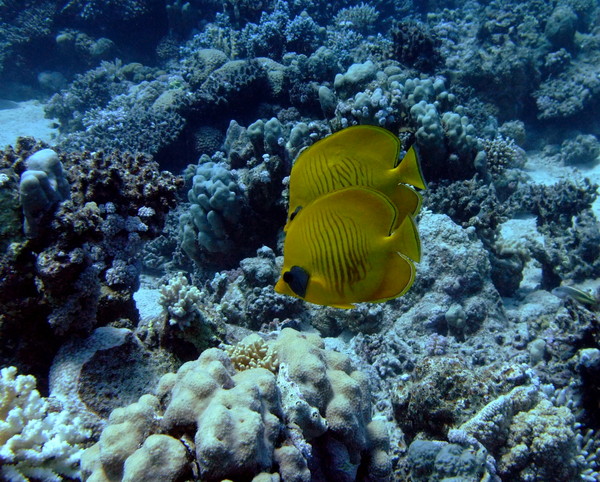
(295,213)
(297,280)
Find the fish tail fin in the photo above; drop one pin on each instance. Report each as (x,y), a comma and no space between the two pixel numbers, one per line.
(399,277)
(409,169)
(405,239)
(406,200)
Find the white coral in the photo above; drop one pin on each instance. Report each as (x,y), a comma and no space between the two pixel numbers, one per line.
(180,300)
(35,442)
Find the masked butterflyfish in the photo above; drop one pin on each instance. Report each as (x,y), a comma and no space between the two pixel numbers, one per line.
(362,155)
(346,247)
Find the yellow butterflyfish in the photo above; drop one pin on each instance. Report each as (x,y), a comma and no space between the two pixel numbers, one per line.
(361,155)
(345,247)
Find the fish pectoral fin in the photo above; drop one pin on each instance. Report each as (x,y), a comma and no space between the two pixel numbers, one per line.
(399,277)
(409,169)
(405,239)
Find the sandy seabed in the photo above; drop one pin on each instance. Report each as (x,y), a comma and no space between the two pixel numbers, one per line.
(25,119)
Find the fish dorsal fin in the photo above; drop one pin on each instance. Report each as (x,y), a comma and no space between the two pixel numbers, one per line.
(409,169)
(399,277)
(370,144)
(363,144)
(406,239)
(407,200)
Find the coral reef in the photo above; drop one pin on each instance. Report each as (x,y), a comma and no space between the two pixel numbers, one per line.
(310,420)
(80,269)
(487,369)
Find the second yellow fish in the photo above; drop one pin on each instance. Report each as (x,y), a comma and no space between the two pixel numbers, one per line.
(346,247)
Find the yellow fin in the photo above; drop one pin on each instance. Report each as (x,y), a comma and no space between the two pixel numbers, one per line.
(409,169)
(406,239)
(399,277)
(407,201)
(344,307)
(366,143)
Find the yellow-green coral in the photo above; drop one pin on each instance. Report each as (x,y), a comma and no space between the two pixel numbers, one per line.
(253,352)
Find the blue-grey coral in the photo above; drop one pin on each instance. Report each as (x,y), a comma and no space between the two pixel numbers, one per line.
(216,204)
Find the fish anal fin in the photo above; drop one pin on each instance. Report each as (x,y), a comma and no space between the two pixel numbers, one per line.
(409,169)
(399,277)
(344,306)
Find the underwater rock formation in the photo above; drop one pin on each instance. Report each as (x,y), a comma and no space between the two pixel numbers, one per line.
(80,269)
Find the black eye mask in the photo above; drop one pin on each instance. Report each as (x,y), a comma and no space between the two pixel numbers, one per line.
(295,213)
(297,280)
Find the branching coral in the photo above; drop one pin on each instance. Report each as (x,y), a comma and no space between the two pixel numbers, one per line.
(36,442)
(362,18)
(253,352)
(502,153)
(181,300)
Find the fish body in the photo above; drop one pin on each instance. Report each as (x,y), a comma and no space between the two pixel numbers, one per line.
(364,156)
(569,292)
(347,247)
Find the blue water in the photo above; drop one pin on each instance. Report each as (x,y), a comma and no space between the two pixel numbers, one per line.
(144,238)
